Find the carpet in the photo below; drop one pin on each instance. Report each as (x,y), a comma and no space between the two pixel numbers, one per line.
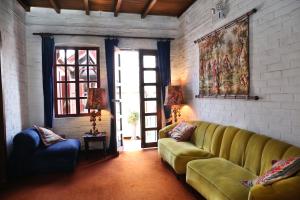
(138,175)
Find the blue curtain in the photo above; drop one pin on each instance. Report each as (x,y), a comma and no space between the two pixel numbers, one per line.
(163,48)
(48,49)
(110,45)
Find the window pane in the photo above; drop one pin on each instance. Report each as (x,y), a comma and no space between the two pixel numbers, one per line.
(150,91)
(93,85)
(83,108)
(70,57)
(93,73)
(60,73)
(60,56)
(118,92)
(92,57)
(61,107)
(61,90)
(83,73)
(71,73)
(149,76)
(151,136)
(83,89)
(71,90)
(149,62)
(82,57)
(150,107)
(151,121)
(72,106)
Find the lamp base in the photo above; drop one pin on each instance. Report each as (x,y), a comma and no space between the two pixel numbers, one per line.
(93,119)
(176,112)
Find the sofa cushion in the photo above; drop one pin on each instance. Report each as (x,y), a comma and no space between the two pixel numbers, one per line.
(218,178)
(178,154)
(61,156)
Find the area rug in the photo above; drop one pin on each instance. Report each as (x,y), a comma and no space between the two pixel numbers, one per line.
(131,176)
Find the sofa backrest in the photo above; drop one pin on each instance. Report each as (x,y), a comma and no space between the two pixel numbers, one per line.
(253,153)
(208,136)
(249,150)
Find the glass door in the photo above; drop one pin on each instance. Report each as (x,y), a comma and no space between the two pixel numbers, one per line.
(118,98)
(150,95)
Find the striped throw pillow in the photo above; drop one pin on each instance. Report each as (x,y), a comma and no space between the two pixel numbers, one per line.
(182,132)
(280,170)
(48,137)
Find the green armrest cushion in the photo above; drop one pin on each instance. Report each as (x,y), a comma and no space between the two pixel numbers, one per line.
(285,189)
(163,133)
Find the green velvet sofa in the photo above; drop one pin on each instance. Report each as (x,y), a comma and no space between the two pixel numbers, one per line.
(218,157)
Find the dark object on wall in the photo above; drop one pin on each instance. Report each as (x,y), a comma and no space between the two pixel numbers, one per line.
(2,128)
(163,49)
(110,45)
(224,61)
(30,156)
(48,50)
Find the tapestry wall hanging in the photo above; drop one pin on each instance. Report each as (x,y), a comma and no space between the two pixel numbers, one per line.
(224,60)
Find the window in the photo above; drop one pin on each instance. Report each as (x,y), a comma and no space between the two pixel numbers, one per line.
(76,70)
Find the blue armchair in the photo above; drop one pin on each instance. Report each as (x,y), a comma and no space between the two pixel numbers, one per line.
(30,156)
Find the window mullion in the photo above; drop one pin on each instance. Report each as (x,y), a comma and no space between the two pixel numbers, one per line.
(77,81)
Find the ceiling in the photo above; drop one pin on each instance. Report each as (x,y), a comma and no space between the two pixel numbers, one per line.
(173,8)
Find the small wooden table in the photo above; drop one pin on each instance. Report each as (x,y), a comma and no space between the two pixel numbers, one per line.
(101,137)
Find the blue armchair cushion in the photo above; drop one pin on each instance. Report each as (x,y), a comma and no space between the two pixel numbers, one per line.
(61,156)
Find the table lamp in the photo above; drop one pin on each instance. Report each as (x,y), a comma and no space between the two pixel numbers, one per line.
(96,100)
(174,99)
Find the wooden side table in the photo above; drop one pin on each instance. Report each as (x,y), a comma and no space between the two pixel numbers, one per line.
(87,138)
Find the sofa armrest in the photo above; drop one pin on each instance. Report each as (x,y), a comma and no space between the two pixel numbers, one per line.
(284,189)
(163,133)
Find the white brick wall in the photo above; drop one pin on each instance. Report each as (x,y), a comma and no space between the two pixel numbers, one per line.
(14,72)
(274,67)
(46,20)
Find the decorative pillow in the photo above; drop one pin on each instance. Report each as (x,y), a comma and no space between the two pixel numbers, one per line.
(182,132)
(280,170)
(48,137)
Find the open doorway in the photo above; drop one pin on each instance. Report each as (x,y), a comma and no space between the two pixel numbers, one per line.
(128,99)
(138,99)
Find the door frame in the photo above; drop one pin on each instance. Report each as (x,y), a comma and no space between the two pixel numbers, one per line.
(142,99)
(3,150)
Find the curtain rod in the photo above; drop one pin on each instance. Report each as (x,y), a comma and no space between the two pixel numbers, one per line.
(245,97)
(106,36)
(254,10)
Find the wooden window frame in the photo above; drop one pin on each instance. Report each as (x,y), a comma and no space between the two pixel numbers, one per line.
(76,65)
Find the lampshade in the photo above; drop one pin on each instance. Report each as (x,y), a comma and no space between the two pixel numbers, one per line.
(174,95)
(96,98)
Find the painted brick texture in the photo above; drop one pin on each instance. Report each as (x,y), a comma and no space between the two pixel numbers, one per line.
(14,72)
(274,67)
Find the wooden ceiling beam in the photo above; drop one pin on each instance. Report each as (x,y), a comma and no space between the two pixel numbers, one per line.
(55,6)
(87,6)
(117,8)
(148,8)
(25,4)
